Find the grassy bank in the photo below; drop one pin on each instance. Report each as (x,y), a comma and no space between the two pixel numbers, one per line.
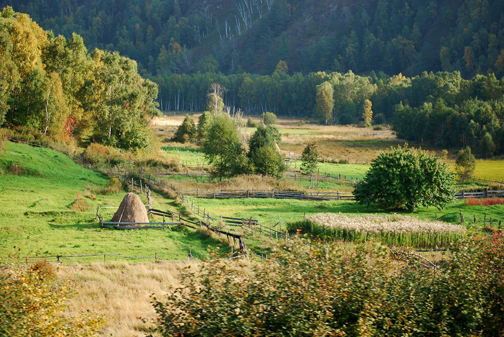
(38,199)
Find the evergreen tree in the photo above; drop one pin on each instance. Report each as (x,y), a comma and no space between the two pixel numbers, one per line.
(186,131)
(309,159)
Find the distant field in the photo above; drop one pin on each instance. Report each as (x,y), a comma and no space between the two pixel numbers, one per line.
(37,217)
(490,170)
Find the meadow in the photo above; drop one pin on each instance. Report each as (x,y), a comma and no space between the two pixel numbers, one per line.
(38,217)
(40,195)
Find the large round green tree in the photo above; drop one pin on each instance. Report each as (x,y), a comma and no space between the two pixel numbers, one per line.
(405,178)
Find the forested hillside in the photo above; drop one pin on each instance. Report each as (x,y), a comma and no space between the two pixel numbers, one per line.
(52,86)
(393,36)
(295,53)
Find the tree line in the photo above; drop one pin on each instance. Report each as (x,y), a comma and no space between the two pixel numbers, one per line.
(51,85)
(441,109)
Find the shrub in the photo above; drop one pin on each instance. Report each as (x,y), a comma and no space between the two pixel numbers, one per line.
(4,135)
(406,178)
(495,186)
(114,186)
(18,170)
(378,128)
(380,119)
(328,289)
(80,205)
(186,131)
(343,161)
(251,123)
(267,161)
(99,154)
(33,301)
(268,118)
(483,202)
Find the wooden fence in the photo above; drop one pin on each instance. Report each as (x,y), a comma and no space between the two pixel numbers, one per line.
(250,225)
(240,194)
(483,194)
(236,194)
(59,257)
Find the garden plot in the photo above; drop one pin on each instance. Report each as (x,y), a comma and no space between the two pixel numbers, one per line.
(399,230)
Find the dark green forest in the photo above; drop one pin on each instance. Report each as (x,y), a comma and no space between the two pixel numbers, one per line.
(393,36)
(431,69)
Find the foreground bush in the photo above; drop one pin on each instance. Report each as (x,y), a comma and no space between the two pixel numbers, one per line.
(324,289)
(33,302)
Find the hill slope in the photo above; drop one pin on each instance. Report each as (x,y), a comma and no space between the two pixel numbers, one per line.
(38,216)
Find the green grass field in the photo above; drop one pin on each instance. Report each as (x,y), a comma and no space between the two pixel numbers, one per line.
(187,155)
(489,170)
(37,217)
(346,170)
(271,211)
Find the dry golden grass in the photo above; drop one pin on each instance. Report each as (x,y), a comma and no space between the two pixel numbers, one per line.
(389,223)
(120,292)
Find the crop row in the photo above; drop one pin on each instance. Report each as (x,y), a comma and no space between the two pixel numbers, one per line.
(392,229)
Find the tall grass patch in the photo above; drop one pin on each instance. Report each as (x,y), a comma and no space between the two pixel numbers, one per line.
(395,229)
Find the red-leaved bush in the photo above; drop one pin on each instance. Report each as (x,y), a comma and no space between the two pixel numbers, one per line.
(484,202)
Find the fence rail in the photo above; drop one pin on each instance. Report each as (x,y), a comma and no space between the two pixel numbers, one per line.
(483,194)
(230,194)
(235,194)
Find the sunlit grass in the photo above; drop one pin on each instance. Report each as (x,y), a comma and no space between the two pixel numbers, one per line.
(187,155)
(37,217)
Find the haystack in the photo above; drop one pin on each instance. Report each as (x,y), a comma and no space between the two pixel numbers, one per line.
(131,209)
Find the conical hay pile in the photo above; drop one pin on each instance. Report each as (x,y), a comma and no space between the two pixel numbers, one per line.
(131,209)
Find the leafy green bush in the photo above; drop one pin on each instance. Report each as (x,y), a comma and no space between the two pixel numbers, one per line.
(33,301)
(114,186)
(251,123)
(326,289)
(379,119)
(268,118)
(378,128)
(465,164)
(406,178)
(99,154)
(343,161)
